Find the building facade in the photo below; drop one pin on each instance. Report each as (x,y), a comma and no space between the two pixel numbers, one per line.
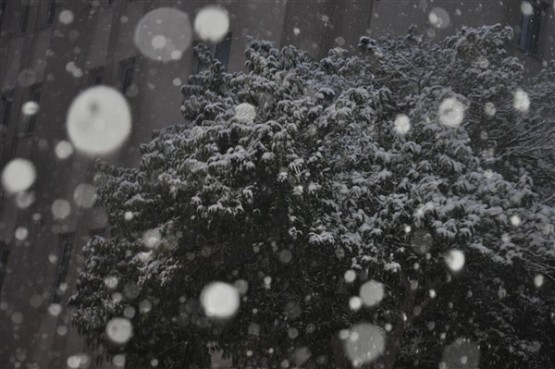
(48,55)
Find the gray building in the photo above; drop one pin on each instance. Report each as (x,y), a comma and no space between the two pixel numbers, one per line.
(49,55)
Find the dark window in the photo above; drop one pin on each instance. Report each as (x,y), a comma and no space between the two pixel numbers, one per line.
(530,30)
(96,76)
(50,11)
(24,16)
(4,254)
(6,112)
(3,5)
(127,69)
(32,120)
(64,254)
(220,50)
(223,49)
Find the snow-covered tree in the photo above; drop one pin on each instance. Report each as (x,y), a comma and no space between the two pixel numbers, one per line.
(300,181)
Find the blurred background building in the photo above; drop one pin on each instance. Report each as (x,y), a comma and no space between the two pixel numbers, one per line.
(49,57)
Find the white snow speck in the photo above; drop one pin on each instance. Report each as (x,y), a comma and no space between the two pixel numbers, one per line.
(538,280)
(371,293)
(18,175)
(163,34)
(219,300)
(119,330)
(63,150)
(451,112)
(296,31)
(515,220)
(402,124)
(455,260)
(364,344)
(521,101)
(99,120)
(212,23)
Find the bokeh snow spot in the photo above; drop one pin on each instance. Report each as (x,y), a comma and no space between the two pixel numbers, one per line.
(451,112)
(27,78)
(99,120)
(439,18)
(515,220)
(350,276)
(54,309)
(521,101)
(30,108)
(119,330)
(455,260)
(79,361)
(219,300)
(66,16)
(84,195)
(371,293)
(60,208)
(364,344)
(152,238)
(245,113)
(63,149)
(18,175)
(212,23)
(355,303)
(21,233)
(163,34)
(526,8)
(462,354)
(538,280)
(489,109)
(402,124)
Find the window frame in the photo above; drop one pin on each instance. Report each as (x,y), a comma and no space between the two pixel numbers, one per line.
(127,68)
(530,30)
(6,109)
(65,247)
(24,18)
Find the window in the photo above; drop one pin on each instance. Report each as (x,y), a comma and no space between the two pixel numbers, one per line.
(32,120)
(4,254)
(3,6)
(127,69)
(50,11)
(223,49)
(530,30)
(220,50)
(96,76)
(64,254)
(6,112)
(24,16)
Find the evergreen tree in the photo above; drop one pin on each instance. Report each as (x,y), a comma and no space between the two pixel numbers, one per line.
(296,176)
